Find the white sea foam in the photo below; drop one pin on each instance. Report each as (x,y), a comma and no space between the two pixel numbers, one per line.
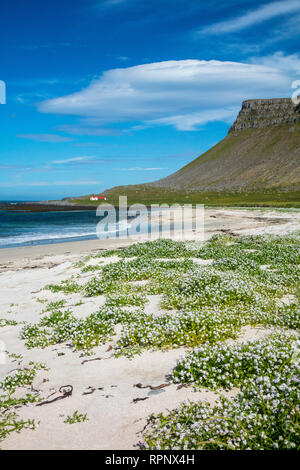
(44,235)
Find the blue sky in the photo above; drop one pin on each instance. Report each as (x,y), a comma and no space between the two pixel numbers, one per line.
(108,92)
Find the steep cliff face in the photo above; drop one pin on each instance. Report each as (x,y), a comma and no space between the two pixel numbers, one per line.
(257,114)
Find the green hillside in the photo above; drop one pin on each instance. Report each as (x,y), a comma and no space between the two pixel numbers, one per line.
(248,160)
(256,164)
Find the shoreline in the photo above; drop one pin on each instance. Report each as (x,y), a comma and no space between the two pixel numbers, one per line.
(66,248)
(237,221)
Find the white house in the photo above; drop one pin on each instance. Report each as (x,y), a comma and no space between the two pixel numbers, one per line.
(98,198)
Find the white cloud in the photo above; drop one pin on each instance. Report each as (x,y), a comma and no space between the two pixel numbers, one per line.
(190,122)
(183,93)
(15,167)
(290,63)
(51,138)
(253,17)
(91,131)
(71,160)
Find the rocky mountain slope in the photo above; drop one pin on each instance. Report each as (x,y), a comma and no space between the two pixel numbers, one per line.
(261,150)
(257,163)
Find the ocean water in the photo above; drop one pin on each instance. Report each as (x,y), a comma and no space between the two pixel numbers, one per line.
(28,228)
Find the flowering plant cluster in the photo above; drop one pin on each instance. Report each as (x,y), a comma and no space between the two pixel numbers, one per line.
(263,416)
(161,248)
(126,299)
(187,328)
(59,327)
(143,268)
(226,366)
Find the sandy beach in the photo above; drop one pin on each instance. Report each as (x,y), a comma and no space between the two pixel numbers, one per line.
(239,221)
(104,388)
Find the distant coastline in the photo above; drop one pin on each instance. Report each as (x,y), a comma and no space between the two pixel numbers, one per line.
(44,206)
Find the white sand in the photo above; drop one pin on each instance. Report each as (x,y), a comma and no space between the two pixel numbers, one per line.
(114,420)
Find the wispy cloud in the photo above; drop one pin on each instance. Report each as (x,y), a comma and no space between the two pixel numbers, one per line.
(279,60)
(50,138)
(253,17)
(111,3)
(191,121)
(15,167)
(71,160)
(89,130)
(289,28)
(82,161)
(183,93)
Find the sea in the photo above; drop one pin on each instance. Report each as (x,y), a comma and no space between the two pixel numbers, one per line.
(22,228)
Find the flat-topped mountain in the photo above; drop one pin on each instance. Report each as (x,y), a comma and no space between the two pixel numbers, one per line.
(261,150)
(259,155)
